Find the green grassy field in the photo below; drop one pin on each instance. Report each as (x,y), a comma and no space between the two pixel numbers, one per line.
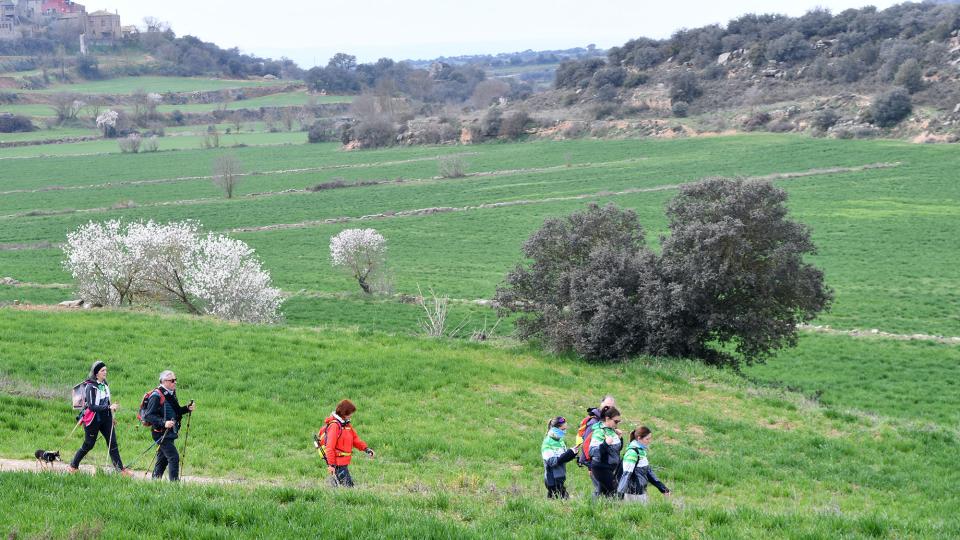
(457,428)
(839,437)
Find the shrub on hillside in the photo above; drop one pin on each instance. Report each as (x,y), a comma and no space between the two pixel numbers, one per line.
(756,121)
(324,130)
(684,86)
(117,264)
(731,276)
(825,119)
(780,126)
(889,108)
(130,144)
(374,133)
(15,123)
(680,109)
(792,47)
(88,67)
(910,76)
(577,73)
(514,125)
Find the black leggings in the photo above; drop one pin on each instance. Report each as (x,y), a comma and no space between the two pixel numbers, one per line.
(606,480)
(557,490)
(101,425)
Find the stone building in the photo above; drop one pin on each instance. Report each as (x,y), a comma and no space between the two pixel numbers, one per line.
(103,26)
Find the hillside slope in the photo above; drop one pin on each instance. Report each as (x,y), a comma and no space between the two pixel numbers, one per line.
(457,427)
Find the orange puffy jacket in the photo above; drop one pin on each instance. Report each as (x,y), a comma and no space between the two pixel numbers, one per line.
(340,441)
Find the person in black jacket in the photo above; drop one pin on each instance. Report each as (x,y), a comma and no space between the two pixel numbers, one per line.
(164,413)
(98,417)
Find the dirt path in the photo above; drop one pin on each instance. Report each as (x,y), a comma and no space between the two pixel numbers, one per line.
(26,465)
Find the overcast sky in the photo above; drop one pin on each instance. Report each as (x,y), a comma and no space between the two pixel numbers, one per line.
(310,32)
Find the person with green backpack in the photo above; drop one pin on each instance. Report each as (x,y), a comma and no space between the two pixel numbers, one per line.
(637,472)
(555,457)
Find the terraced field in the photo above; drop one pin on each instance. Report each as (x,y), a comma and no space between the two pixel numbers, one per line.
(815,444)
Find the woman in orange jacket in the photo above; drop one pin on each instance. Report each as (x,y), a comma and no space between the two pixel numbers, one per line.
(339,440)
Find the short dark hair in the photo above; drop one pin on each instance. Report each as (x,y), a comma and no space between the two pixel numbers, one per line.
(345,408)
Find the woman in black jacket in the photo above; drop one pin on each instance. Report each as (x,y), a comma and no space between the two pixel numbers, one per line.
(98,418)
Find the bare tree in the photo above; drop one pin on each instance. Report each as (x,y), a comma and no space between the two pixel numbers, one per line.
(66,105)
(226,174)
(436,310)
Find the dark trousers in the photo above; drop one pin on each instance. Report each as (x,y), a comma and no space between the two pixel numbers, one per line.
(167,458)
(343,478)
(557,490)
(97,427)
(606,481)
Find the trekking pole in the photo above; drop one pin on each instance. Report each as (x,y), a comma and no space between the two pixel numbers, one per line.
(72,431)
(154,443)
(186,439)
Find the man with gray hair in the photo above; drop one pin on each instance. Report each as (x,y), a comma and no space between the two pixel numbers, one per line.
(164,413)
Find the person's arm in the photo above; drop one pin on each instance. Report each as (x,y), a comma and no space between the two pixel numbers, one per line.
(90,395)
(652,478)
(552,459)
(330,448)
(154,412)
(358,442)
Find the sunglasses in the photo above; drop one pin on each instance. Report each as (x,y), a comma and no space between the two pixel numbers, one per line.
(171,380)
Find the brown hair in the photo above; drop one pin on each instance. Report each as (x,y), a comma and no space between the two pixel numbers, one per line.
(609,412)
(639,433)
(345,408)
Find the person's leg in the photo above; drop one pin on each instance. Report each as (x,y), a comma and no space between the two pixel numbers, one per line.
(160,466)
(110,434)
(89,441)
(169,451)
(549,489)
(343,476)
(561,489)
(606,481)
(596,485)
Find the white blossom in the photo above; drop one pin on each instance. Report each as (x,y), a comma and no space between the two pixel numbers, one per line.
(154,98)
(115,264)
(359,251)
(107,118)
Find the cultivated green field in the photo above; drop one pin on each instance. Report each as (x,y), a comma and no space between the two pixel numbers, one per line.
(128,85)
(839,437)
(457,427)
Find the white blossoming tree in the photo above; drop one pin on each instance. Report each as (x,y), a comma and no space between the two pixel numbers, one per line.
(116,264)
(361,252)
(107,122)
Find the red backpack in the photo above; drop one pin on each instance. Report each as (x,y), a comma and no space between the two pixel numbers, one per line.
(142,412)
(584,433)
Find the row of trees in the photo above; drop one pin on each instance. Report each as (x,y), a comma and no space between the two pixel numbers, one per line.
(729,285)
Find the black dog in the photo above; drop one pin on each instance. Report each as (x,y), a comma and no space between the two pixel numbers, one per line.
(45,456)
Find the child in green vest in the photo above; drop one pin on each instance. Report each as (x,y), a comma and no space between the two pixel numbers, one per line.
(555,457)
(637,472)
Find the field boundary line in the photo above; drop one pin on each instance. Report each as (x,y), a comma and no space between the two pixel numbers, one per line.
(308,191)
(878,334)
(525,202)
(105,185)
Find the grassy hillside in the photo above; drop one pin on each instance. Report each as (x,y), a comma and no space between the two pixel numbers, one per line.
(457,427)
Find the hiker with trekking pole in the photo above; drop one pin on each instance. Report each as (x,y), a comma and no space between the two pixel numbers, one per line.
(335,443)
(161,410)
(97,417)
